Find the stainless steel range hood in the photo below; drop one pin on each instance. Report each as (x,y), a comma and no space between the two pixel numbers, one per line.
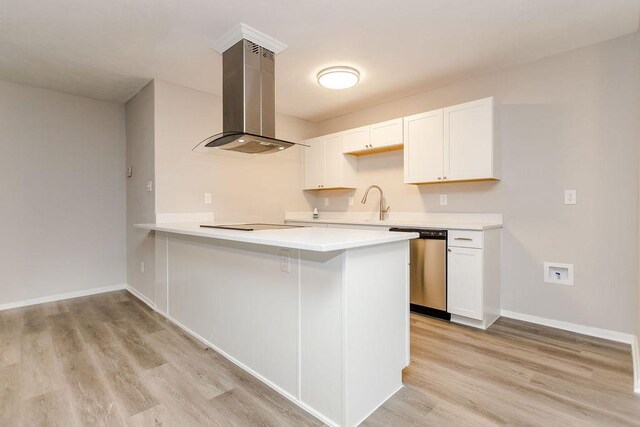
(248,102)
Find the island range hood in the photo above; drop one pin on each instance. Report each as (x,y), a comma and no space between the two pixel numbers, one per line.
(248,102)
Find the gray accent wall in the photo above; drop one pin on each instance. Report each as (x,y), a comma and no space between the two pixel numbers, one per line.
(140,202)
(564,122)
(62,193)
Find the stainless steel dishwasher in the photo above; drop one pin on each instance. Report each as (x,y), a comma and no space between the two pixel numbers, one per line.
(428,272)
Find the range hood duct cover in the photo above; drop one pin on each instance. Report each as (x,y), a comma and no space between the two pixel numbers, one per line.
(248,102)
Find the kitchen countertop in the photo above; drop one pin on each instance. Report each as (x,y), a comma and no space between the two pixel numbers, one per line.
(431,223)
(305,238)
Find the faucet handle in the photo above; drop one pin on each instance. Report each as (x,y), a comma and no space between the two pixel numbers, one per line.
(386,210)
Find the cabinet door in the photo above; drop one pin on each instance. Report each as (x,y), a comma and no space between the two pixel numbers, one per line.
(386,134)
(468,136)
(423,147)
(355,140)
(464,282)
(333,161)
(314,159)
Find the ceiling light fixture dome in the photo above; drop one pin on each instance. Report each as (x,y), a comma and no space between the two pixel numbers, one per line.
(338,77)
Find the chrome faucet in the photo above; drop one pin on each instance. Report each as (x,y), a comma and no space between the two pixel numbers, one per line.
(383,210)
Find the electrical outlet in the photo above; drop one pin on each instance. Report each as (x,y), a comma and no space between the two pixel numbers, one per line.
(285,261)
(350,200)
(326,201)
(142,267)
(207,198)
(570,197)
(149,186)
(443,199)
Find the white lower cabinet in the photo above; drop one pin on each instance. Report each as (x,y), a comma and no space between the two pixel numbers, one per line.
(473,276)
(473,272)
(464,278)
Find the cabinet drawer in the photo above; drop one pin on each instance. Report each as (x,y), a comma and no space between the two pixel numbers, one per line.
(465,239)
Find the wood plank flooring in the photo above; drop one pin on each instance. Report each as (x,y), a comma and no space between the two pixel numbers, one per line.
(109,360)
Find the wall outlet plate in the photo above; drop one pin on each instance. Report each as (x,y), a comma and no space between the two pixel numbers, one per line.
(207,198)
(570,197)
(326,201)
(443,199)
(350,200)
(558,273)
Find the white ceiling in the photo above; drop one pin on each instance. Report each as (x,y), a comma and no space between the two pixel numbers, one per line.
(109,49)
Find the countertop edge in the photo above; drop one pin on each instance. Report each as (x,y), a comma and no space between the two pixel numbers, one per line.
(167,228)
(473,227)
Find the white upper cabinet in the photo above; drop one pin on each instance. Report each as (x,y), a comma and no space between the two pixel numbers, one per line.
(468,140)
(356,140)
(375,138)
(452,144)
(423,147)
(325,166)
(314,163)
(387,135)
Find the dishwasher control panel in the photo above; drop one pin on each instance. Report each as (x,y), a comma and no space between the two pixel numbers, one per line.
(425,233)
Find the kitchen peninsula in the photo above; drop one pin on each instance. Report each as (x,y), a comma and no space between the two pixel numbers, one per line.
(320,315)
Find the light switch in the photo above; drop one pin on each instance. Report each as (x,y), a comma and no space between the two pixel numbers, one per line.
(142,267)
(207,198)
(350,200)
(570,197)
(326,201)
(443,199)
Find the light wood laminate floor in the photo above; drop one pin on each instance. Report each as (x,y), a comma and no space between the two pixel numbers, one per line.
(110,360)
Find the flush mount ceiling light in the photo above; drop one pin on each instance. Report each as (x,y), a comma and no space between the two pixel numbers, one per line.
(338,77)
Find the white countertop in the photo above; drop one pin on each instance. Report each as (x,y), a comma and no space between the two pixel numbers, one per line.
(305,238)
(443,221)
(388,223)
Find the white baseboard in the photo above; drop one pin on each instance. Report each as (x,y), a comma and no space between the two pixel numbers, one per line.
(60,297)
(142,298)
(635,352)
(236,362)
(588,330)
(572,327)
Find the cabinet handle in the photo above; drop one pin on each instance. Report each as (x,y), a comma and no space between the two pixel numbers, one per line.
(463,238)
(445,177)
(449,250)
(439,178)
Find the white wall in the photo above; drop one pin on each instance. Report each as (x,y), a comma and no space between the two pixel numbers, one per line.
(249,188)
(62,193)
(164,122)
(565,122)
